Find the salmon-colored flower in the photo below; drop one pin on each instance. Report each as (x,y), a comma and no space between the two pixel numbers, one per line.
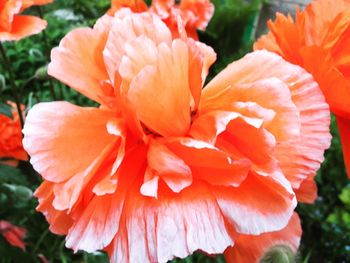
(319,41)
(11,137)
(251,249)
(195,14)
(13,25)
(13,234)
(163,168)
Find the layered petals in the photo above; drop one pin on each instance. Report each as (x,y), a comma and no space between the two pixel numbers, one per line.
(310,112)
(249,248)
(56,152)
(157,230)
(194,15)
(169,168)
(318,40)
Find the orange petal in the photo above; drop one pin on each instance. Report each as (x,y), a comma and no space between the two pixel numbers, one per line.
(98,219)
(59,221)
(260,204)
(8,9)
(248,248)
(307,191)
(134,5)
(209,163)
(56,153)
(319,18)
(157,230)
(13,234)
(334,85)
(299,157)
(126,28)
(344,131)
(78,61)
(23,26)
(167,84)
(165,164)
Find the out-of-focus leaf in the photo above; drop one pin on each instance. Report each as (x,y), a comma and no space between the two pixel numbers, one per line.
(345,196)
(19,192)
(5,109)
(11,175)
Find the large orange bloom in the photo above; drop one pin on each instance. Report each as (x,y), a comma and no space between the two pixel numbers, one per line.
(195,14)
(11,137)
(251,249)
(13,234)
(319,41)
(163,168)
(14,26)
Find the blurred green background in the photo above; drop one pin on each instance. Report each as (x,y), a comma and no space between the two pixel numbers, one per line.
(231,32)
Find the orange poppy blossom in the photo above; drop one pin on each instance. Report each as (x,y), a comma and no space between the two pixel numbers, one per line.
(13,25)
(195,14)
(251,249)
(13,234)
(163,167)
(319,41)
(11,138)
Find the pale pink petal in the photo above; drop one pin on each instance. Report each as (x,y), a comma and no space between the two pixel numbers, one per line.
(249,248)
(57,133)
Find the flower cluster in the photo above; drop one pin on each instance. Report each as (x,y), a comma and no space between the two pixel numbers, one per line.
(11,148)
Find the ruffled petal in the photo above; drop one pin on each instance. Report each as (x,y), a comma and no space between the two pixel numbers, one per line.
(164,164)
(23,26)
(78,61)
(161,92)
(56,152)
(209,163)
(248,248)
(307,191)
(260,204)
(300,156)
(97,218)
(174,225)
(126,28)
(59,221)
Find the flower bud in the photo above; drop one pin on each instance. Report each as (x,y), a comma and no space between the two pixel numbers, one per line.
(41,73)
(279,254)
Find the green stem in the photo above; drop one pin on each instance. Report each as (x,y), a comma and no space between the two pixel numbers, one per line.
(47,53)
(15,90)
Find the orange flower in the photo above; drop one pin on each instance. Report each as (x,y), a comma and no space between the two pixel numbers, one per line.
(163,168)
(319,41)
(11,137)
(14,26)
(251,249)
(195,14)
(13,234)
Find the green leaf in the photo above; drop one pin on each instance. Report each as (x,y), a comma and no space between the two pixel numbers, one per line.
(345,195)
(11,175)
(5,109)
